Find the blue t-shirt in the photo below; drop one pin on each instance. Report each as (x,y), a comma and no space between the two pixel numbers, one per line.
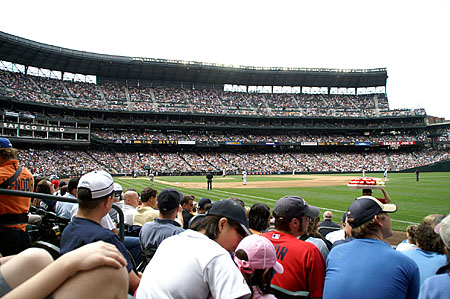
(437,286)
(370,268)
(428,262)
(153,233)
(82,231)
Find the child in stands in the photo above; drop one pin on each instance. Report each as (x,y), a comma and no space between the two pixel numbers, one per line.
(256,258)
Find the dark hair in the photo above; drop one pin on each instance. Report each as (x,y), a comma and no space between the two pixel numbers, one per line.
(206,207)
(210,224)
(73,183)
(367,191)
(260,277)
(37,179)
(282,223)
(9,153)
(43,187)
(186,199)
(148,193)
(258,217)
(63,190)
(168,213)
(84,198)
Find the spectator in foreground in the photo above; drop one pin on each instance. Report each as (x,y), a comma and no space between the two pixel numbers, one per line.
(130,203)
(410,242)
(304,266)
(429,254)
(78,274)
(256,258)
(198,261)
(95,200)
(313,236)
(164,226)
(46,187)
(63,209)
(146,212)
(327,225)
(367,267)
(259,218)
(117,201)
(438,286)
(187,203)
(338,234)
(13,238)
(203,205)
(347,234)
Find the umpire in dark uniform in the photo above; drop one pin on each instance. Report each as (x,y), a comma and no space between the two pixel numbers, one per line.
(209,178)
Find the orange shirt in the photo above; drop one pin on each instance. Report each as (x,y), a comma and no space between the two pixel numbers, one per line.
(24,182)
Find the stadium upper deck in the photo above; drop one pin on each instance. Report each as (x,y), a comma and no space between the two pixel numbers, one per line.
(109,96)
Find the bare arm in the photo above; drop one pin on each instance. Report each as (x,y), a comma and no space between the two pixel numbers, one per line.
(134,281)
(54,275)
(386,196)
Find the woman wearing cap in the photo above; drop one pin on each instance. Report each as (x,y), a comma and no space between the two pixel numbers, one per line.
(256,258)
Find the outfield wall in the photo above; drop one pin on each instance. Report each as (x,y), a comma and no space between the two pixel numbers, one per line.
(443,166)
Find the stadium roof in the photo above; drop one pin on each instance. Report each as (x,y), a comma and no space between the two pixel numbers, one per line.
(120,68)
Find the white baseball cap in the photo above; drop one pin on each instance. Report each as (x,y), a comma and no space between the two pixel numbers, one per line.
(99,182)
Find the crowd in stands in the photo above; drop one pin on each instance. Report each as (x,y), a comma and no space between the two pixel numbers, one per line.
(113,96)
(129,135)
(69,162)
(445,136)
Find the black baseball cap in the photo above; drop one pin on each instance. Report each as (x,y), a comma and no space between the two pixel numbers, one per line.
(168,199)
(202,202)
(230,210)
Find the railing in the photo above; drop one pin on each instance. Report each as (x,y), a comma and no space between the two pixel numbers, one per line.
(33,195)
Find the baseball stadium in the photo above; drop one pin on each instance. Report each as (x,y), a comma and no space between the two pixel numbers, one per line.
(261,132)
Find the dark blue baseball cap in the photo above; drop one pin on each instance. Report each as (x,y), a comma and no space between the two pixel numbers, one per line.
(364,208)
(5,143)
(168,199)
(230,210)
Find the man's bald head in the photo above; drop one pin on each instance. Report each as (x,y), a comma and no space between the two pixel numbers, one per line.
(327,215)
(131,198)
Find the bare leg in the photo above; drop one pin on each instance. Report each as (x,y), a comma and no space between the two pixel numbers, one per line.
(101,282)
(25,265)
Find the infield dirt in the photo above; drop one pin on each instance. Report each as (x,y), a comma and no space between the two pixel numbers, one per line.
(298,181)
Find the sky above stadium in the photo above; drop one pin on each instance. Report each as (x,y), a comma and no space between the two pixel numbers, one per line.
(410,38)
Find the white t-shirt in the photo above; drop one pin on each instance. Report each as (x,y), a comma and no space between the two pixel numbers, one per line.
(63,209)
(336,235)
(128,212)
(201,269)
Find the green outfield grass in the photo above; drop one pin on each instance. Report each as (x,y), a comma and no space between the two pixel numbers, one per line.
(415,200)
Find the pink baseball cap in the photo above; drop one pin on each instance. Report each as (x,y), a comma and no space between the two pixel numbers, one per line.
(261,254)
